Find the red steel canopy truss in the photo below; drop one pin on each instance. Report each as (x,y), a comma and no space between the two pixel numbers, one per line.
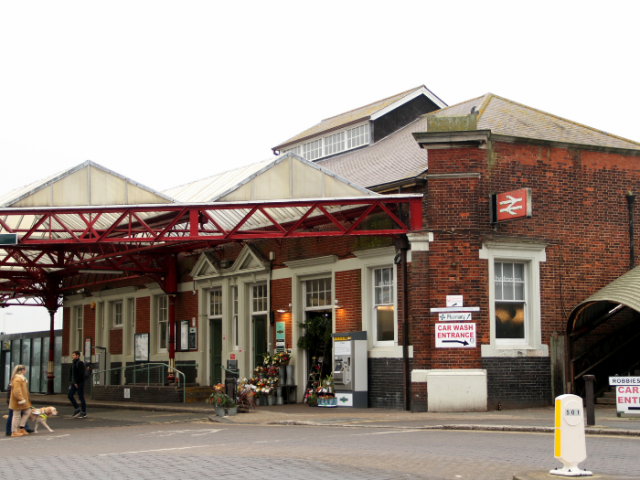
(63,248)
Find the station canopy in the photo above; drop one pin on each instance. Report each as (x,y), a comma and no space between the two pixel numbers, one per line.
(90,225)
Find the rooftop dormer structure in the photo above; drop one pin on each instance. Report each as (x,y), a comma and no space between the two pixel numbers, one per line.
(362,126)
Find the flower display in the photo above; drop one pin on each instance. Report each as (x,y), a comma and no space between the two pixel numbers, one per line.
(221,400)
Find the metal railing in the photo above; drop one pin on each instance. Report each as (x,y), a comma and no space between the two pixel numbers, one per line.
(148,366)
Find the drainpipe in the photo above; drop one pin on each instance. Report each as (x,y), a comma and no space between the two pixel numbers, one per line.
(402,243)
(630,199)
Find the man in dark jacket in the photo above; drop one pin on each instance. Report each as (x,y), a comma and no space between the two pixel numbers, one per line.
(76,377)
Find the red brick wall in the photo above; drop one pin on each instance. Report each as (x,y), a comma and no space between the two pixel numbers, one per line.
(579,210)
(186,309)
(89,326)
(143,311)
(115,341)
(348,292)
(280,300)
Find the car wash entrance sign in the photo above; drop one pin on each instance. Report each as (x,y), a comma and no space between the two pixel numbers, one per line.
(455,335)
(511,205)
(627,394)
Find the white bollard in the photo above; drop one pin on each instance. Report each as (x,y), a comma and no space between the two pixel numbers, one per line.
(570,445)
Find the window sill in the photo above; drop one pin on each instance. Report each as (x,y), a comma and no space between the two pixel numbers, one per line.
(514,351)
(391,351)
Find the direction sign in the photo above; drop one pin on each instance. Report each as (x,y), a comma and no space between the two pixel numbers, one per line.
(454,309)
(627,394)
(454,317)
(8,238)
(455,335)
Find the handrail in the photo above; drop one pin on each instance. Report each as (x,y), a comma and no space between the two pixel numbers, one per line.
(142,367)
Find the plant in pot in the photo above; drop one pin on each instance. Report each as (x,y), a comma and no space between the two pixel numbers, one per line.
(223,404)
(312,399)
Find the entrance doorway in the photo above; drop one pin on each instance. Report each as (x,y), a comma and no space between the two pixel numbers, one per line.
(216,351)
(259,339)
(317,341)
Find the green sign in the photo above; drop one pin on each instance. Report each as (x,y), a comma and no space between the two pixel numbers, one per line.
(8,238)
(279,330)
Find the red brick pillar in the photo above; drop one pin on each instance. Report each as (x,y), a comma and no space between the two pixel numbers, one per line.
(421,334)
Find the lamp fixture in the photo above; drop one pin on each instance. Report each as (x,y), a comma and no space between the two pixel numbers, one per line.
(336,304)
(284,310)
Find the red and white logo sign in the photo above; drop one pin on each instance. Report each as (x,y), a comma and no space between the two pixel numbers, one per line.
(513,205)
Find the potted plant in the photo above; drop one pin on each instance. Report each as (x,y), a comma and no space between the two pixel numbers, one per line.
(222,404)
(312,399)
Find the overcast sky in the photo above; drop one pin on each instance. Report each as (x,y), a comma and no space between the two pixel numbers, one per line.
(169,92)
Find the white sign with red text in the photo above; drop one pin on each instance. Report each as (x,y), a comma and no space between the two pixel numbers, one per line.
(627,394)
(455,335)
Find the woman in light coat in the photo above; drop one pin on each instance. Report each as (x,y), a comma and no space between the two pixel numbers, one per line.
(19,402)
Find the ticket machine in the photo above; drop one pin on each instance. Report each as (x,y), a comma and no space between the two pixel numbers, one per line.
(350,369)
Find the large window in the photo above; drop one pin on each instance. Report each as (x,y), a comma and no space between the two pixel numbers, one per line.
(312,150)
(117,314)
(132,319)
(514,299)
(163,323)
(259,298)
(317,294)
(333,144)
(510,300)
(358,136)
(79,326)
(383,312)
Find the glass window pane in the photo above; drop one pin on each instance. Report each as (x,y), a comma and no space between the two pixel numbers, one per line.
(384,325)
(45,364)
(26,354)
(507,281)
(510,320)
(498,280)
(36,355)
(57,364)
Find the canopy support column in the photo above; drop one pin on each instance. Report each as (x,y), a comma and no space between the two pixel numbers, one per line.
(171,287)
(51,303)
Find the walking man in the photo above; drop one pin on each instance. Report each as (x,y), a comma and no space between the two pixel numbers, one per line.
(76,377)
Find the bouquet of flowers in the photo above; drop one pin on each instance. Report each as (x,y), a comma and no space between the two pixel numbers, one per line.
(284,358)
(221,400)
(272,371)
(219,388)
(266,359)
(246,392)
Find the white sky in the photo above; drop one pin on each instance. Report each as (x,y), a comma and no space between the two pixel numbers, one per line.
(169,92)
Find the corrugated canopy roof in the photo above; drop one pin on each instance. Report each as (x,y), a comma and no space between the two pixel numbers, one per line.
(506,117)
(624,290)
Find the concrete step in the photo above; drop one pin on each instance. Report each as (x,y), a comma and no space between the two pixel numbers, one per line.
(606,400)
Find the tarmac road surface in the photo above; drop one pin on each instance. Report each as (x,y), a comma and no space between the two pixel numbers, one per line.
(140,445)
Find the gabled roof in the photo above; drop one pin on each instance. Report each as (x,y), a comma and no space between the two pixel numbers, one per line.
(285,177)
(367,112)
(84,184)
(506,117)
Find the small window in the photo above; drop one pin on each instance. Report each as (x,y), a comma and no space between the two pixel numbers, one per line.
(132,318)
(79,327)
(312,150)
(318,293)
(163,323)
(234,323)
(383,309)
(358,136)
(510,306)
(117,315)
(259,298)
(215,306)
(334,143)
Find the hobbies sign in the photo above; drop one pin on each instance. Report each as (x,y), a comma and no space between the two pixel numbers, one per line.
(627,394)
(455,335)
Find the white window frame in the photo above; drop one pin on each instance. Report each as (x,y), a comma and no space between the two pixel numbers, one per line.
(114,313)
(374,310)
(235,339)
(336,142)
(329,292)
(162,317)
(132,319)
(215,309)
(79,323)
(531,255)
(527,328)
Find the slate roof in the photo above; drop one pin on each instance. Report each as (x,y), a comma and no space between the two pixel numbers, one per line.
(396,157)
(353,116)
(506,117)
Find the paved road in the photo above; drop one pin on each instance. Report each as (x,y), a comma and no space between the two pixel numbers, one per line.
(121,445)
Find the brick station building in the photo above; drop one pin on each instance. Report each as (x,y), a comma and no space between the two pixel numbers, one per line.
(519,279)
